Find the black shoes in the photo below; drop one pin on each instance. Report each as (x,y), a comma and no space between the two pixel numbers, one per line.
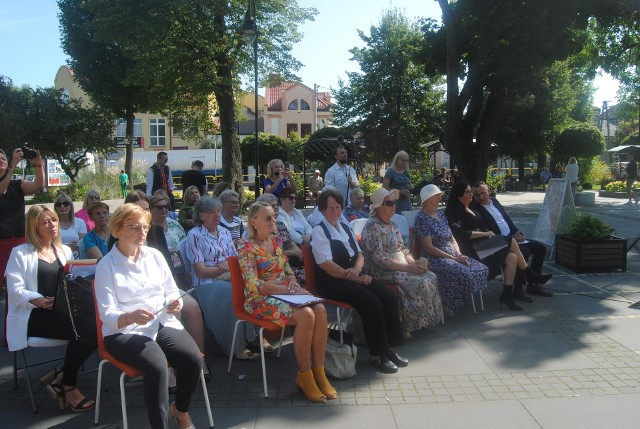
(533,277)
(384,365)
(519,295)
(507,299)
(535,289)
(397,359)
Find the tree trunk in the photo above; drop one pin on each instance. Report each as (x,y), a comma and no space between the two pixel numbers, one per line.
(231,156)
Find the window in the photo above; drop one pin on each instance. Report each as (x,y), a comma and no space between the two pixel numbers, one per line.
(157,132)
(292,128)
(293,105)
(304,105)
(121,128)
(305,130)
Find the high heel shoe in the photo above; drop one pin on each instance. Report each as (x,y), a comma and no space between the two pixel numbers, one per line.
(323,383)
(172,413)
(57,394)
(307,385)
(509,302)
(533,277)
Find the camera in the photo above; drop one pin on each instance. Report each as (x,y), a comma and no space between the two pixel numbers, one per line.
(28,153)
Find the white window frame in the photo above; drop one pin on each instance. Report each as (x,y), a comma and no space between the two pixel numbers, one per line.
(157,132)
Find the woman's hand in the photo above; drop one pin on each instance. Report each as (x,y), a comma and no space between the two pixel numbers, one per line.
(416,269)
(174,306)
(140,316)
(461,259)
(352,274)
(489,234)
(364,279)
(46,302)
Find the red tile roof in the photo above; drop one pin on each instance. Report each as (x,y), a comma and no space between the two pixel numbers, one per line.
(273,99)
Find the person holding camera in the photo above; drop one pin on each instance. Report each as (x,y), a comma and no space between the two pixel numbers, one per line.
(278,178)
(12,194)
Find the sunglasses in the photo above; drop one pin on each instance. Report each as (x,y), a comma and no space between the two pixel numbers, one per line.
(94,197)
(63,204)
(165,207)
(138,227)
(389,203)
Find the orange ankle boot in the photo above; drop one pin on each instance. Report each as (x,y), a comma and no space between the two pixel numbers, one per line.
(323,383)
(308,386)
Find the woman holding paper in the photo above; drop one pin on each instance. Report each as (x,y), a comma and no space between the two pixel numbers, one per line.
(137,300)
(266,272)
(32,282)
(468,228)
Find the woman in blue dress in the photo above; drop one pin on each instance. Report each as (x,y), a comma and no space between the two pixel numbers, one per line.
(278,178)
(397,177)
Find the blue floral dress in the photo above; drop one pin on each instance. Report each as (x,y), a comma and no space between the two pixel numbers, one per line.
(455,280)
(400,181)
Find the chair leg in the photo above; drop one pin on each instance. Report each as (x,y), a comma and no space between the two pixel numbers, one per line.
(28,381)
(281,339)
(99,391)
(264,370)
(233,344)
(203,382)
(473,303)
(123,402)
(481,302)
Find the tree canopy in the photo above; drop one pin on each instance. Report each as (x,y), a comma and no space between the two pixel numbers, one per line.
(578,140)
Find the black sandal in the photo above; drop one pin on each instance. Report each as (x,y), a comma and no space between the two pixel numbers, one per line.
(80,407)
(57,394)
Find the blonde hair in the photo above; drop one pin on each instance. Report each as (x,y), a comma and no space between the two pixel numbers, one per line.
(124,213)
(88,201)
(254,209)
(572,160)
(159,197)
(187,196)
(62,197)
(271,164)
(31,227)
(394,163)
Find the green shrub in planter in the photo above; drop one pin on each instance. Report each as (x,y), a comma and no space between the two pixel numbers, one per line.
(587,185)
(586,226)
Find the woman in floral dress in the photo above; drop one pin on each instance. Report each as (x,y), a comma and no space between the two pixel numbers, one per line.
(387,259)
(458,275)
(266,271)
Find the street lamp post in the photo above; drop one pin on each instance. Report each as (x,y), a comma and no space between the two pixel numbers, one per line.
(250,30)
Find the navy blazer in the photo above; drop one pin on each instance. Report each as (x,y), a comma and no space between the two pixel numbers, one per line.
(489,221)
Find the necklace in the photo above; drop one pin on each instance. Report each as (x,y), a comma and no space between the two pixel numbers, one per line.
(47,255)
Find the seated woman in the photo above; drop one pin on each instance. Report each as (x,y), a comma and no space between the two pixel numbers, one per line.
(265,271)
(137,299)
(72,228)
(208,247)
(339,277)
(388,260)
(96,242)
(230,200)
(356,209)
(185,214)
(458,275)
(294,220)
(468,227)
(32,282)
(92,196)
(160,205)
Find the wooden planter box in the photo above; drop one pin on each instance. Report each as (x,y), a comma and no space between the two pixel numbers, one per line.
(591,255)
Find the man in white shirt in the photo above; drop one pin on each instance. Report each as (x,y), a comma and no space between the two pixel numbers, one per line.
(341,175)
(497,220)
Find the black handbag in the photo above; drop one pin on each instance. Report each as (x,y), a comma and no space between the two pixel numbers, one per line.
(74,298)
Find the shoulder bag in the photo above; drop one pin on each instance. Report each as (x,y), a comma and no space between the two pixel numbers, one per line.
(340,357)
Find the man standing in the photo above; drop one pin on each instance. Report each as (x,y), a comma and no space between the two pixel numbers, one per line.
(315,184)
(124,183)
(159,177)
(497,220)
(632,175)
(195,177)
(341,176)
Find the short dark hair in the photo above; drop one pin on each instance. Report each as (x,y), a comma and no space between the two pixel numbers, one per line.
(478,184)
(287,191)
(323,199)
(197,163)
(339,147)
(161,154)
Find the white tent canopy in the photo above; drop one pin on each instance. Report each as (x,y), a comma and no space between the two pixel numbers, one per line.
(626,148)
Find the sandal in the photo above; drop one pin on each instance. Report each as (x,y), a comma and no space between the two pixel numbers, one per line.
(246,354)
(50,376)
(254,347)
(83,406)
(57,394)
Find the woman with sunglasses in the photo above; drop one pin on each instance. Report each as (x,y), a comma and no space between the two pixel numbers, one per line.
(72,229)
(296,224)
(12,193)
(92,196)
(160,205)
(97,240)
(137,300)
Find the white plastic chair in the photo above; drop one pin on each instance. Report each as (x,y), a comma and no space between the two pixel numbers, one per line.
(357,225)
(403,226)
(410,216)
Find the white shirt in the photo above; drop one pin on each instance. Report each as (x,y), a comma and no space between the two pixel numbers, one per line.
(571,172)
(150,181)
(297,225)
(336,176)
(123,285)
(73,232)
(322,247)
(495,213)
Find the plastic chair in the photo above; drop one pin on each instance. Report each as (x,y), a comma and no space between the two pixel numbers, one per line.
(357,225)
(181,248)
(130,372)
(403,226)
(310,285)
(237,289)
(410,216)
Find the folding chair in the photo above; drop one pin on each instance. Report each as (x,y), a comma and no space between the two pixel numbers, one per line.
(237,289)
(131,372)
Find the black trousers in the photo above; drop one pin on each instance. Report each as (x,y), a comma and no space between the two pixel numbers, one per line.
(150,357)
(377,305)
(49,324)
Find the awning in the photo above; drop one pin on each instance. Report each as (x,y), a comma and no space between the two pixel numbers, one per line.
(625,149)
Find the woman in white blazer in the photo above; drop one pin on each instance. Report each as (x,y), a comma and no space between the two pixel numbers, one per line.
(32,281)
(296,224)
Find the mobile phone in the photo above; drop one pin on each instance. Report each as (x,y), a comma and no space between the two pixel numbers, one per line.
(287,166)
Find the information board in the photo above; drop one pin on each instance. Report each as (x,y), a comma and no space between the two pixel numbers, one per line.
(557,211)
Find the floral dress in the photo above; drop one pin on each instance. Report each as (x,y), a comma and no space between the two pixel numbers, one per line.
(296,264)
(258,266)
(455,280)
(401,182)
(382,245)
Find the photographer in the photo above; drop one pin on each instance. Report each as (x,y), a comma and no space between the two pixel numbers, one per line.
(12,194)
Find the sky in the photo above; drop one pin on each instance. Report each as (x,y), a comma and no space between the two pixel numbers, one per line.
(31,51)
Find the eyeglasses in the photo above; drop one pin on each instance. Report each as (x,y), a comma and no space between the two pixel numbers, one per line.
(94,197)
(268,218)
(390,203)
(235,203)
(291,197)
(138,227)
(467,191)
(63,204)
(164,207)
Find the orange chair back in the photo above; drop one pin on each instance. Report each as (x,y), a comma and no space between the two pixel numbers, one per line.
(310,276)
